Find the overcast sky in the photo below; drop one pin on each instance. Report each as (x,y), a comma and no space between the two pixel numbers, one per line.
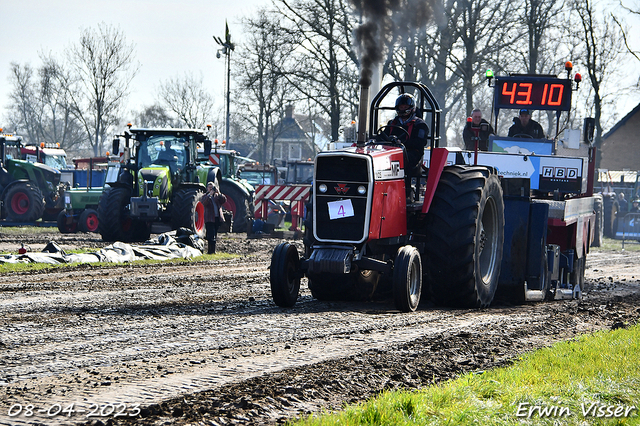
(171,38)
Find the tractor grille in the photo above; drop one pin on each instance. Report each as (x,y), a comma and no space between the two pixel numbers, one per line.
(341,212)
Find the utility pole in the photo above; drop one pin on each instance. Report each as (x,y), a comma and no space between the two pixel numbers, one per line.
(226,49)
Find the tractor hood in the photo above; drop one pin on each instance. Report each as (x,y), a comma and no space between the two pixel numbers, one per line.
(158,180)
(49,173)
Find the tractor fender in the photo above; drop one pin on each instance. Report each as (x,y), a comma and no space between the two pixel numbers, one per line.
(246,189)
(11,185)
(210,174)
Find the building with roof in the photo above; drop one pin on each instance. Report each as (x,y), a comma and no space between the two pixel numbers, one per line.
(293,143)
(620,148)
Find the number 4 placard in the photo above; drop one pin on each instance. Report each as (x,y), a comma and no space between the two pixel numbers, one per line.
(340,209)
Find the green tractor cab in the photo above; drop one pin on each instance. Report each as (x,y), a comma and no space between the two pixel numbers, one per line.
(158,182)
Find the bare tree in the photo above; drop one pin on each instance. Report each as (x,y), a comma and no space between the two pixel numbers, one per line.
(263,89)
(324,61)
(187,98)
(153,116)
(603,46)
(40,106)
(103,66)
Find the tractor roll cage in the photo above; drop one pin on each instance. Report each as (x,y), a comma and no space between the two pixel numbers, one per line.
(426,103)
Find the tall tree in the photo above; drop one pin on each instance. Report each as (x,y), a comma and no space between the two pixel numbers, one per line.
(263,88)
(103,66)
(603,45)
(40,106)
(187,98)
(325,61)
(153,116)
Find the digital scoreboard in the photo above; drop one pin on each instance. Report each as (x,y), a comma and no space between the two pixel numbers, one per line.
(533,92)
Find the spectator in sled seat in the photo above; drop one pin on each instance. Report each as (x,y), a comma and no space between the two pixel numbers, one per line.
(485,130)
(212,201)
(415,143)
(524,125)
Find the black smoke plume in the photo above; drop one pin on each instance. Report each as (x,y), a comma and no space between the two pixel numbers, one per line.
(382,21)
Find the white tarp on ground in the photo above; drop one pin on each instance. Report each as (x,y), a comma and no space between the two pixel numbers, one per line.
(163,247)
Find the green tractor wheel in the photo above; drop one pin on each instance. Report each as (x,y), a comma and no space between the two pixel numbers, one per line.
(114,221)
(24,203)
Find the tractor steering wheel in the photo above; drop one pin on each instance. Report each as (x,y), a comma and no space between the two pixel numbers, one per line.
(522,135)
(383,137)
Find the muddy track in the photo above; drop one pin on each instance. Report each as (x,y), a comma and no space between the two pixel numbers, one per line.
(203,342)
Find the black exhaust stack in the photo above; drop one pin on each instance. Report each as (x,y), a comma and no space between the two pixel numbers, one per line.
(363,115)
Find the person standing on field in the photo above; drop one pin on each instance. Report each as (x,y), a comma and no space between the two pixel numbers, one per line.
(212,201)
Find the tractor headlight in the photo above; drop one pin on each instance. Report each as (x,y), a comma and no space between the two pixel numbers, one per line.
(362,190)
(322,188)
(67,199)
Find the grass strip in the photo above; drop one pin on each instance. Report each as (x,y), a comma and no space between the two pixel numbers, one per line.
(591,380)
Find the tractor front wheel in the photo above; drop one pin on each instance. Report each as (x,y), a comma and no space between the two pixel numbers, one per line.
(407,279)
(284,276)
(88,221)
(64,226)
(465,231)
(114,220)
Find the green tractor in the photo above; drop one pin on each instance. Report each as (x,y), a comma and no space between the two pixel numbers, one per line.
(239,191)
(29,191)
(158,182)
(81,203)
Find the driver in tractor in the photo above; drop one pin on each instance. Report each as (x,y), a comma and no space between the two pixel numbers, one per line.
(169,156)
(524,126)
(412,132)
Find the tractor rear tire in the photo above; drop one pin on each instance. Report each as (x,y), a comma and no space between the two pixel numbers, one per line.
(88,221)
(284,276)
(24,202)
(407,279)
(114,220)
(465,234)
(238,204)
(187,211)
(63,226)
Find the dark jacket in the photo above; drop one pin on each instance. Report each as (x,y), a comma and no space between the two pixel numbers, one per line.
(533,129)
(213,206)
(483,143)
(414,144)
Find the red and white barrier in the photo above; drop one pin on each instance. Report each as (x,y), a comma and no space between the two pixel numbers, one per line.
(296,194)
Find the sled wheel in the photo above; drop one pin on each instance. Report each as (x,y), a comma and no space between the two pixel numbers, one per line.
(285,281)
(407,279)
